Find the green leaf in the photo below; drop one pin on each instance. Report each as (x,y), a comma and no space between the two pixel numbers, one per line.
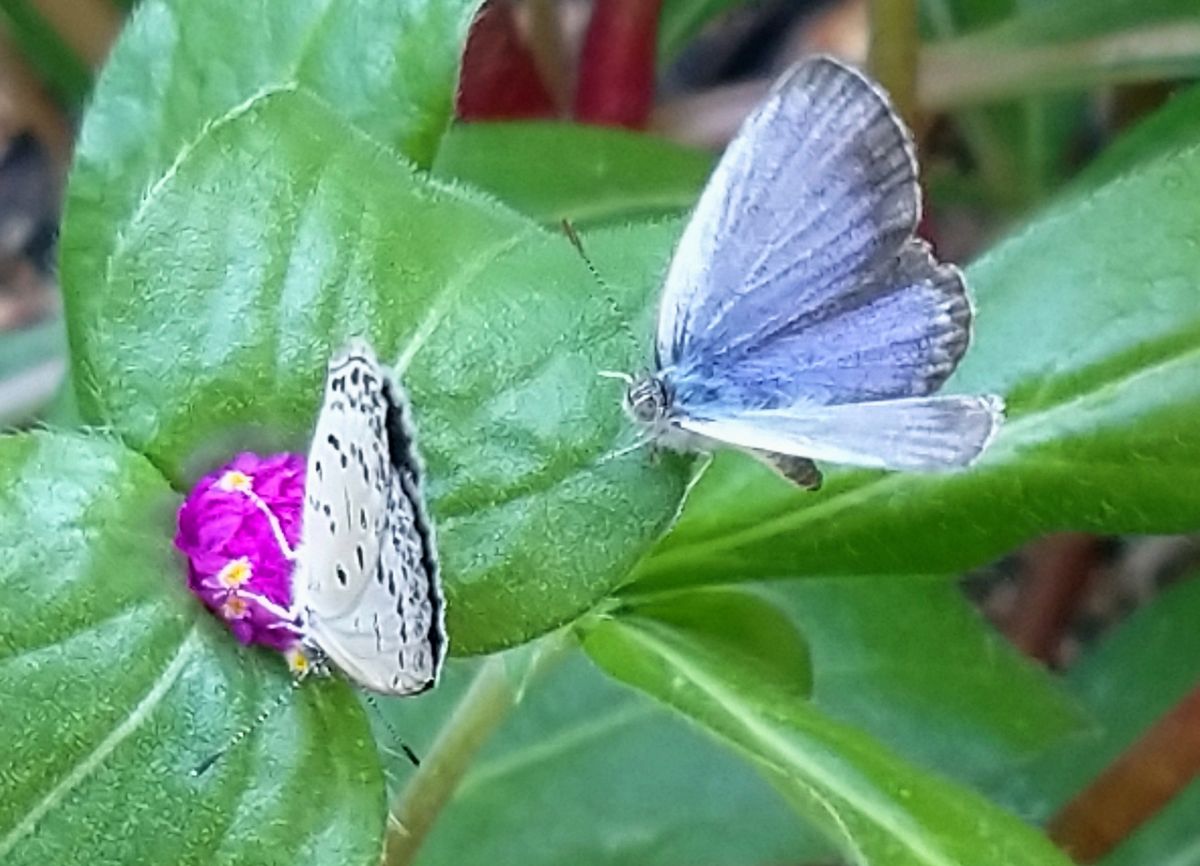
(872,805)
(586,771)
(388,69)
(599,175)
(117,685)
(216,321)
(1087,321)
(737,632)
(894,657)
(1128,682)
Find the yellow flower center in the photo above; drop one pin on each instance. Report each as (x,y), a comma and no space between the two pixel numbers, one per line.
(234,480)
(235,573)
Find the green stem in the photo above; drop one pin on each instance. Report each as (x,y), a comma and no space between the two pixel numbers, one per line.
(894,46)
(493,693)
(975,70)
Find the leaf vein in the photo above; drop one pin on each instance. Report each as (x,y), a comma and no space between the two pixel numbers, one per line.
(98,755)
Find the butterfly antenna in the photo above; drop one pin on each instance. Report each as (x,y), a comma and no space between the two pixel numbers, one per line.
(573,237)
(267,712)
(408,753)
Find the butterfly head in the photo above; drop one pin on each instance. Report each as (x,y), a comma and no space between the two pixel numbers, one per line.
(648,400)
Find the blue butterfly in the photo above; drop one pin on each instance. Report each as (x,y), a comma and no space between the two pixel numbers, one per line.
(801,319)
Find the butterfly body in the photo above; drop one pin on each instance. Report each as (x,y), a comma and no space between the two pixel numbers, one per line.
(366,587)
(800,317)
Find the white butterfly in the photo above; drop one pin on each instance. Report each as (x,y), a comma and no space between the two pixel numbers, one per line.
(800,318)
(366,591)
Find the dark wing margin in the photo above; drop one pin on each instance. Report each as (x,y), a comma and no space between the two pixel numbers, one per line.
(402,454)
(816,192)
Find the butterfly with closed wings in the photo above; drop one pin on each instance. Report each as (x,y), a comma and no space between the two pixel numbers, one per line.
(366,586)
(365,592)
(801,319)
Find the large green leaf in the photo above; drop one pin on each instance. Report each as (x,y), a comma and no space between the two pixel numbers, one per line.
(388,69)
(1088,322)
(875,807)
(586,771)
(116,685)
(911,662)
(598,174)
(215,321)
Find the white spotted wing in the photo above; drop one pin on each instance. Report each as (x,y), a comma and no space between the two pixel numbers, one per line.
(366,583)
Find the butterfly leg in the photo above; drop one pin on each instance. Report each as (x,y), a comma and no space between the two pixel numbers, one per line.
(641,442)
(799,470)
(276,529)
(286,617)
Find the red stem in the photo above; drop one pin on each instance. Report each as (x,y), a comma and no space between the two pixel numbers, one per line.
(616,71)
(1134,787)
(1059,570)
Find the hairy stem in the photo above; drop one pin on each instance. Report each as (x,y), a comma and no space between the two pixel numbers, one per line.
(492,694)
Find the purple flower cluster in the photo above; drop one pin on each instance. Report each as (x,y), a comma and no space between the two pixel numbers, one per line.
(237,529)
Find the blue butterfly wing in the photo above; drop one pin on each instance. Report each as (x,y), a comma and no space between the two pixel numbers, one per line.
(899,333)
(798,278)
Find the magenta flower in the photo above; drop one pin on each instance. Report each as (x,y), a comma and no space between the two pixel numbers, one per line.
(233,528)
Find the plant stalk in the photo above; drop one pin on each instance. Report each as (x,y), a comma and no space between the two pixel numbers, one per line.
(974,71)
(1135,787)
(895,43)
(492,695)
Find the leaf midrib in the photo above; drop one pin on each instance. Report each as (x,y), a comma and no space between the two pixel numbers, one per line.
(92,761)
(783,757)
